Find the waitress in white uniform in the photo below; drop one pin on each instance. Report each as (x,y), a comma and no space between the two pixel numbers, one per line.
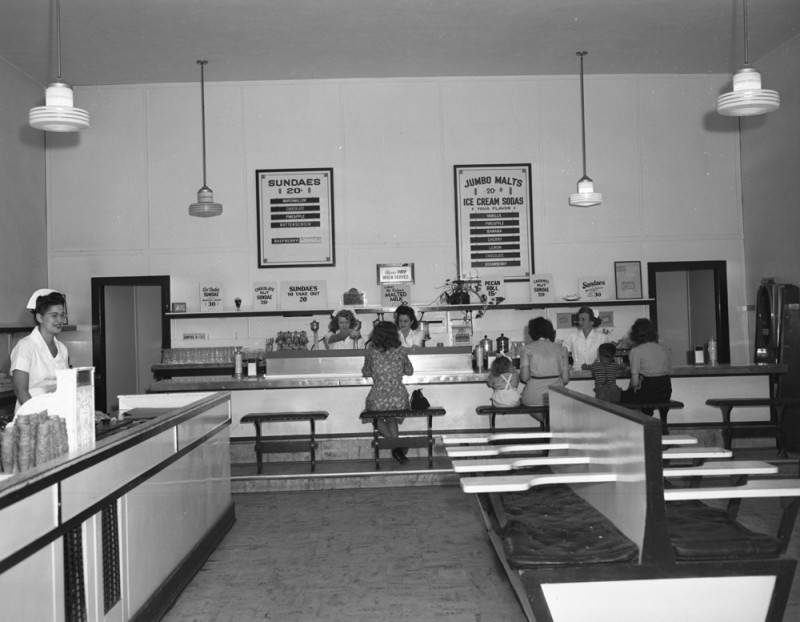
(408,327)
(344,331)
(583,343)
(35,358)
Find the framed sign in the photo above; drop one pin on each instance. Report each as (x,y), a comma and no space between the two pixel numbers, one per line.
(395,273)
(628,279)
(494,228)
(295,217)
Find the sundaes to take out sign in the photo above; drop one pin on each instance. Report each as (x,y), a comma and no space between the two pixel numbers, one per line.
(303,295)
(593,287)
(265,296)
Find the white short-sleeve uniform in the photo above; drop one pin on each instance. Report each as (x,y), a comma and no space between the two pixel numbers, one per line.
(32,356)
(583,347)
(345,344)
(415,338)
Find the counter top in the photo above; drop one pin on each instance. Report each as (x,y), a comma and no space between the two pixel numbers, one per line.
(123,437)
(292,381)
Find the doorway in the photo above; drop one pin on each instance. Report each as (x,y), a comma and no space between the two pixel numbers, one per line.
(129,330)
(691,306)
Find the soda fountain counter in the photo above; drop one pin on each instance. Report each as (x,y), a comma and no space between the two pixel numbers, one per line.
(116,530)
(331,380)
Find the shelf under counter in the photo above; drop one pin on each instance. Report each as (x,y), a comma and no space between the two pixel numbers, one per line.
(322,362)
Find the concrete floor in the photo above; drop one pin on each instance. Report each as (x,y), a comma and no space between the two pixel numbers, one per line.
(355,555)
(403,551)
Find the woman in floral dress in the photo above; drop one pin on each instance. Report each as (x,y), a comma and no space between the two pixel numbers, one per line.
(386,363)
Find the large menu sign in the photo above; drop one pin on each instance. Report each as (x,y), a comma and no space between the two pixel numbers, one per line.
(493,216)
(295,217)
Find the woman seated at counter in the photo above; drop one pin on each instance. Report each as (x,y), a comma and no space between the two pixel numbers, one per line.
(583,342)
(344,331)
(543,363)
(408,327)
(35,358)
(650,367)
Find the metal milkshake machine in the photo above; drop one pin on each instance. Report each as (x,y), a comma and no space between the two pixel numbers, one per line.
(777,340)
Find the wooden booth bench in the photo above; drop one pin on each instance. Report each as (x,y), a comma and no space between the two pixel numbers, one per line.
(405,439)
(591,525)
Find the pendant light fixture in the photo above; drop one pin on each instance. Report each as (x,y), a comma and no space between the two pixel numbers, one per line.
(205,206)
(59,113)
(747,98)
(586,196)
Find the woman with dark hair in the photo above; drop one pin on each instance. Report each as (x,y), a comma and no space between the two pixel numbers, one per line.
(650,366)
(344,331)
(407,327)
(36,357)
(542,364)
(386,362)
(584,341)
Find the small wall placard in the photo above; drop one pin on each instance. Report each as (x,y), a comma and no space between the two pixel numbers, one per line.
(210,297)
(395,273)
(297,295)
(395,294)
(593,287)
(542,287)
(495,290)
(265,296)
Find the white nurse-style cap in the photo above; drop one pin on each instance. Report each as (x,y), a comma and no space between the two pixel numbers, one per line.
(37,294)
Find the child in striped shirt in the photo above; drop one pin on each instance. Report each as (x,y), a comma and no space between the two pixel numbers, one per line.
(604,372)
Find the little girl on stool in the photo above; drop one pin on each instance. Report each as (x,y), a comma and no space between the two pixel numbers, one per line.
(504,379)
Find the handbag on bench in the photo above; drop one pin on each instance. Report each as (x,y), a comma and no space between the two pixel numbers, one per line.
(419,401)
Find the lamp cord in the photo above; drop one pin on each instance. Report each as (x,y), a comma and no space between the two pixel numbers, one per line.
(583,114)
(746,55)
(202,64)
(58,37)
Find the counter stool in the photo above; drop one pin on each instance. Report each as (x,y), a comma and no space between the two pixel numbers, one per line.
(412,440)
(274,446)
(773,427)
(663,409)
(540,413)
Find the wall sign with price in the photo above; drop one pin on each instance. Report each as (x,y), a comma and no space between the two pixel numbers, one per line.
(295,217)
(494,234)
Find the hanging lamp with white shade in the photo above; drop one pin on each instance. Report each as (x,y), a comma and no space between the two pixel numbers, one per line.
(205,207)
(747,99)
(586,196)
(59,113)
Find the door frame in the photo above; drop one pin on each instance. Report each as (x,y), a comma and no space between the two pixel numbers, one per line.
(719,269)
(98,287)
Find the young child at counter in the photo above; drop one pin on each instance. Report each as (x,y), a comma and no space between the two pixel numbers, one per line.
(504,379)
(604,373)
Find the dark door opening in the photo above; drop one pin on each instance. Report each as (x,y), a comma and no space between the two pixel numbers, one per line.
(691,306)
(129,330)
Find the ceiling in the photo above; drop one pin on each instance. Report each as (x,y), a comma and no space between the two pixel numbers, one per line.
(144,41)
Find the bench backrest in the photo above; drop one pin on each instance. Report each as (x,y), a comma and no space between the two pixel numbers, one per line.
(627,443)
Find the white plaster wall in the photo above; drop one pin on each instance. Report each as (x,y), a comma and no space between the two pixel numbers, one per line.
(23,241)
(770,165)
(667,167)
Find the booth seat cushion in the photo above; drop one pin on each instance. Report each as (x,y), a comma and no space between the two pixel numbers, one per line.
(554,526)
(699,532)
